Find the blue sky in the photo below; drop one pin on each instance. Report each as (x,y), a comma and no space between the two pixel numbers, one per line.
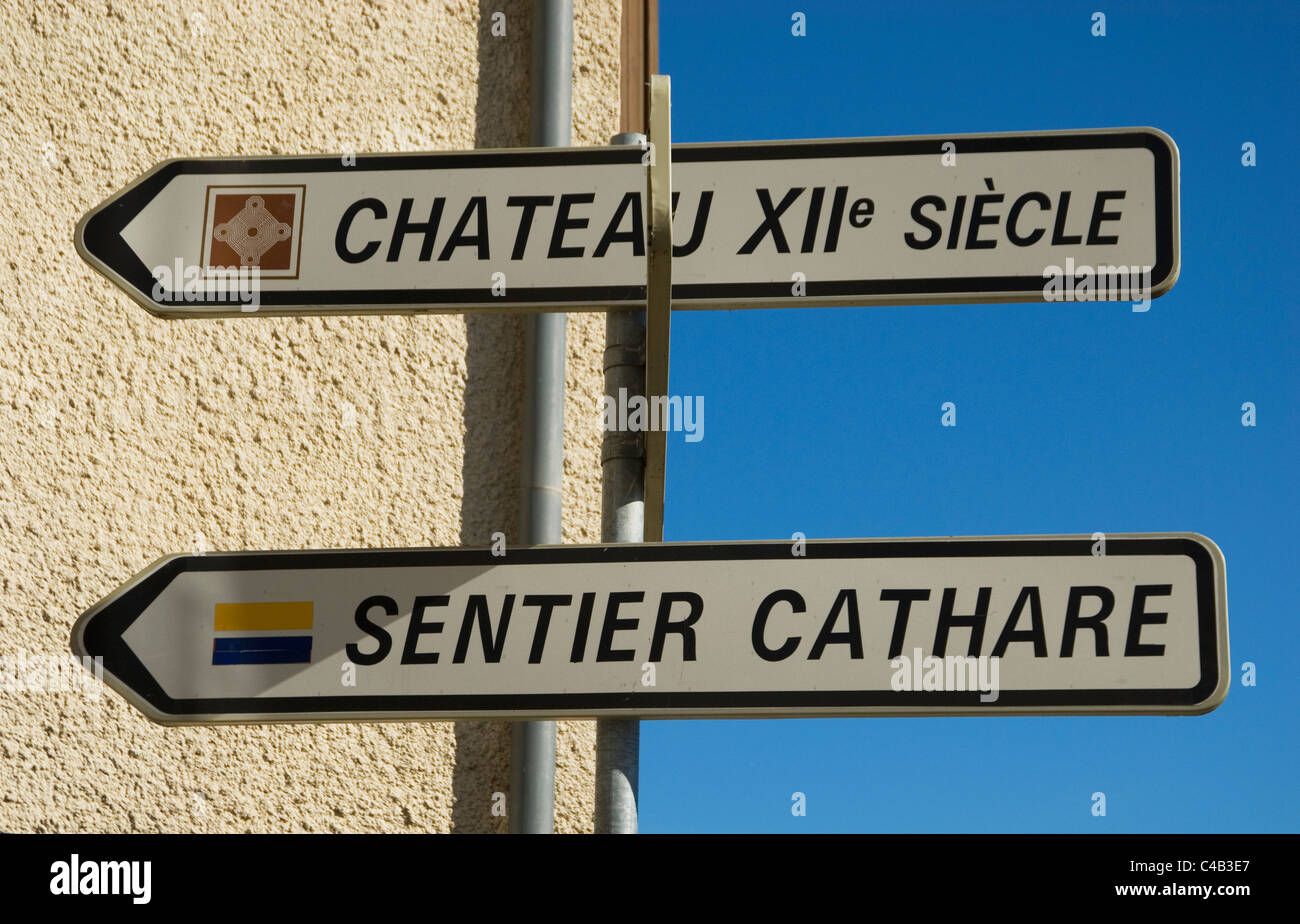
(1071,418)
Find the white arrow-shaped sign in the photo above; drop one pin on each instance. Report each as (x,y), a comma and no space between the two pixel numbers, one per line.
(1048,624)
(1069,216)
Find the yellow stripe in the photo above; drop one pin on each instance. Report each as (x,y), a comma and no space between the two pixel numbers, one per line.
(253,617)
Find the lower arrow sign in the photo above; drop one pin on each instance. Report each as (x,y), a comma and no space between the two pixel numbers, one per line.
(1128,624)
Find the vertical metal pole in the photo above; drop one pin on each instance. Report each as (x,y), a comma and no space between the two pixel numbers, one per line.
(532,744)
(659,293)
(618,741)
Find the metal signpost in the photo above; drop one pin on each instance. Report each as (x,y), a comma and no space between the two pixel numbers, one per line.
(939,219)
(635,628)
(981,626)
(532,744)
(633,464)
(659,303)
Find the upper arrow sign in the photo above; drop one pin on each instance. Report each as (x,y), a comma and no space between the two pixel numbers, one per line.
(1038,624)
(1074,216)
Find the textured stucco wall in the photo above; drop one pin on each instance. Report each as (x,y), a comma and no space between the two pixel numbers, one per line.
(126,437)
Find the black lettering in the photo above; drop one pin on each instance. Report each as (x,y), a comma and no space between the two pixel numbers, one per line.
(476,610)
(954,230)
(635,237)
(771,221)
(1058,230)
(564,224)
(936,231)
(904,599)
(1139,617)
(378,633)
(476,207)
(814,216)
(545,604)
(975,621)
(1033,634)
(345,224)
(580,631)
(860,213)
(529,205)
(1074,622)
(837,216)
(605,651)
(683,627)
(760,623)
(978,218)
(1013,216)
(404,226)
(1098,216)
(852,636)
(697,232)
(418,627)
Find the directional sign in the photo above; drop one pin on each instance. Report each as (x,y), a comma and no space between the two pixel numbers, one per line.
(1051,624)
(1061,216)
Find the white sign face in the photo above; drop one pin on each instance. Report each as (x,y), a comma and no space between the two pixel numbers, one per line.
(1133,624)
(1070,216)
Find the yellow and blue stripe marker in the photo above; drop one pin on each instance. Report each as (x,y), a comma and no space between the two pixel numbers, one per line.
(292,616)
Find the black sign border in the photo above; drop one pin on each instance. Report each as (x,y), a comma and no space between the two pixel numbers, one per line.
(99,239)
(99,633)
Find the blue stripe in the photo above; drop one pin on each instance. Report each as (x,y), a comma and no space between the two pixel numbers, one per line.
(282,649)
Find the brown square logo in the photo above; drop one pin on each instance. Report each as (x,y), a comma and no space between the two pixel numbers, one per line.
(246,227)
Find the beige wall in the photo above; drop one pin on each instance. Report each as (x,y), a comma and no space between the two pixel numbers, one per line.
(126,437)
